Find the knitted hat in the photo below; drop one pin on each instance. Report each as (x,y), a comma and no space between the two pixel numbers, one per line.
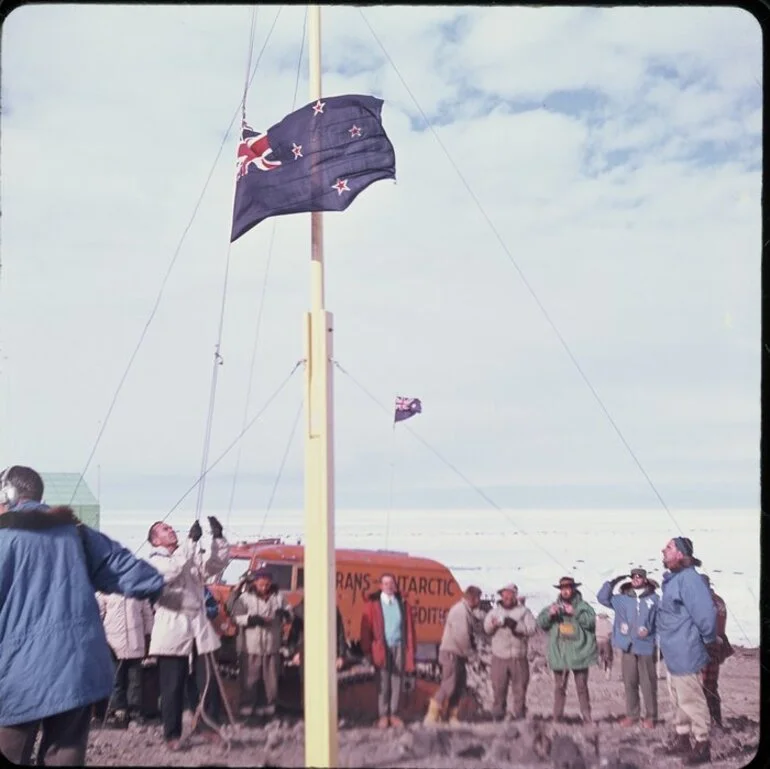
(513,588)
(639,571)
(683,545)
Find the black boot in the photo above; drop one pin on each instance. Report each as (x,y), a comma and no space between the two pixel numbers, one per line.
(716,713)
(699,754)
(559,701)
(137,717)
(679,745)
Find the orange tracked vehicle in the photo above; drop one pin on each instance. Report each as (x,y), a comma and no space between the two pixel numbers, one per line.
(428,585)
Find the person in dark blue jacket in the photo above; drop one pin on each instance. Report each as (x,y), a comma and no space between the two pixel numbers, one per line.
(55,661)
(633,632)
(687,627)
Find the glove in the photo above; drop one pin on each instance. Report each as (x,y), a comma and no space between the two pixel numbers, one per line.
(510,623)
(195,532)
(618,579)
(216,527)
(254,620)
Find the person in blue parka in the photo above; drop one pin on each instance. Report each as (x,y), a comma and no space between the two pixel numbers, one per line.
(687,626)
(634,633)
(55,662)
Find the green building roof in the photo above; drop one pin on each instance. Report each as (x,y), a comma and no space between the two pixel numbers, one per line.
(58,491)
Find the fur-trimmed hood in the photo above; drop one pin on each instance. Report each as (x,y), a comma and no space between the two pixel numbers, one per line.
(39,518)
(650,587)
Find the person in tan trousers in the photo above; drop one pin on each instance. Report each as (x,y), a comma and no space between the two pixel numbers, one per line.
(510,626)
(457,645)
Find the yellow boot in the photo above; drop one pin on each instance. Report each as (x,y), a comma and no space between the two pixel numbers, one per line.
(433,716)
(454,716)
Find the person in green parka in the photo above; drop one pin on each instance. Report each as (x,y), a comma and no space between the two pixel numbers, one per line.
(571,626)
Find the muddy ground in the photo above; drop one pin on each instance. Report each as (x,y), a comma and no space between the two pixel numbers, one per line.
(474,745)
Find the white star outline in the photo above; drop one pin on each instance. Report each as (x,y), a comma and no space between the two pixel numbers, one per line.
(297,150)
(354,132)
(341,185)
(318,107)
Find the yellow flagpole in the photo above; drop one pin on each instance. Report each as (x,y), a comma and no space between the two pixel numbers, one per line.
(320,684)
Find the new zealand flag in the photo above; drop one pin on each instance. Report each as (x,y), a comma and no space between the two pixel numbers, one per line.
(318,158)
(407,407)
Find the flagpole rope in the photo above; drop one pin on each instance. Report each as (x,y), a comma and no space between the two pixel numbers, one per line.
(246,81)
(218,361)
(167,274)
(531,290)
(232,444)
(280,469)
(252,365)
(262,297)
(299,62)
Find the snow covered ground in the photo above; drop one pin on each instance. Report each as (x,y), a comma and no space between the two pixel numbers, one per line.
(532,548)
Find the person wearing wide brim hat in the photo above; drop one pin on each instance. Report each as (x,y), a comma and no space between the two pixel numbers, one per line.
(687,626)
(565,582)
(571,625)
(634,631)
(509,624)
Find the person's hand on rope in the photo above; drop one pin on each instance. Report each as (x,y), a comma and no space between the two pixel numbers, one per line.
(216,527)
(195,532)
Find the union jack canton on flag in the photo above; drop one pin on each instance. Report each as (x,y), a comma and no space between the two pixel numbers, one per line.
(407,407)
(318,158)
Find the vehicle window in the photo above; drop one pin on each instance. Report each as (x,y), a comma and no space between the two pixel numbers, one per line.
(281,574)
(300,578)
(233,571)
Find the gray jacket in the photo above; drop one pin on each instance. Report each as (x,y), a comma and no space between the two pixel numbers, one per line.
(459,629)
(266,637)
(507,644)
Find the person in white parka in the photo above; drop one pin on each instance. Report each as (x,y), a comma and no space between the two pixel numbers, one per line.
(128,626)
(182,633)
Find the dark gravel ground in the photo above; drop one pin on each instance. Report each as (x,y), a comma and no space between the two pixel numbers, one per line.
(532,743)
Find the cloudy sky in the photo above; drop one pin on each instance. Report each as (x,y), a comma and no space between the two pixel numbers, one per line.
(612,155)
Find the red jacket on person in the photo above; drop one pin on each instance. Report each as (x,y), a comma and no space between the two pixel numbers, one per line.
(373,631)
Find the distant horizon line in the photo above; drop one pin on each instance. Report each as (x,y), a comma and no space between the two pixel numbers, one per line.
(565,509)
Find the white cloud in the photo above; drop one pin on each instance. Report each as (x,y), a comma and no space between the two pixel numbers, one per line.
(616,151)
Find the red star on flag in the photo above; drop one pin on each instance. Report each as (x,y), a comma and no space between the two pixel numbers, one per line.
(354,131)
(297,150)
(318,107)
(341,186)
